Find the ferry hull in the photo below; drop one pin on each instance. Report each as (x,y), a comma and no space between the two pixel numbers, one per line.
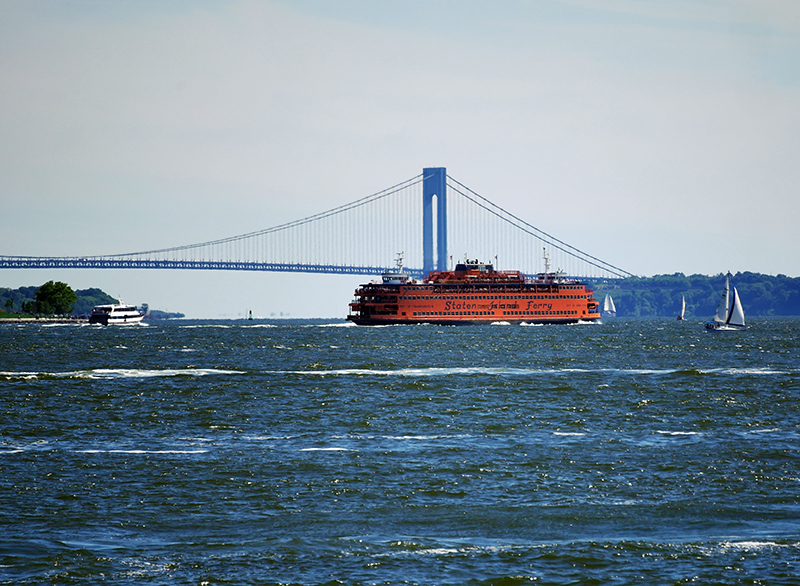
(114,321)
(464,322)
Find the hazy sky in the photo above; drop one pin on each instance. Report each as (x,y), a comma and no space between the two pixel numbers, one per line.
(659,136)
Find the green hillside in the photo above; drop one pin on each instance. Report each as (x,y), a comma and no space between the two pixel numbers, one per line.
(22,300)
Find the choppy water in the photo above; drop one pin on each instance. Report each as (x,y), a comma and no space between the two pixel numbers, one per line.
(633,452)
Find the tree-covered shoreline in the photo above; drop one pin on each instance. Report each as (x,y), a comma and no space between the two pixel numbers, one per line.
(52,298)
(660,295)
(56,298)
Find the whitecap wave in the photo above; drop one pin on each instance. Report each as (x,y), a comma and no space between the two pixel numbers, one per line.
(420,437)
(745,371)
(102,451)
(466,370)
(663,432)
(749,545)
(112,373)
(143,373)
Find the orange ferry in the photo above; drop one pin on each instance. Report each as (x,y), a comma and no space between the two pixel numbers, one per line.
(473,293)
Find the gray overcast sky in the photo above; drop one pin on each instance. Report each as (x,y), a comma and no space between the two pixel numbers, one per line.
(660,136)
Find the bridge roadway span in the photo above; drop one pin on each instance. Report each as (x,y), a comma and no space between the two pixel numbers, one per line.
(116,263)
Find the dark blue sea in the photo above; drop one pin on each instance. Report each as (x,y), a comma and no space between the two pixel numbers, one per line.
(305,452)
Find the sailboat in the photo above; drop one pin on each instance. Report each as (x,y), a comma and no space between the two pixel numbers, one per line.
(608,306)
(730,314)
(683,307)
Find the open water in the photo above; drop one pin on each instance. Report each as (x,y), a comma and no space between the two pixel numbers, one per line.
(632,452)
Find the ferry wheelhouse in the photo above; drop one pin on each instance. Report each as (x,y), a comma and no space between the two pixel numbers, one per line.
(474,293)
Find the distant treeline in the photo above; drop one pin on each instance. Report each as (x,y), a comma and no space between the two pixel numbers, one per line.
(24,300)
(30,301)
(660,295)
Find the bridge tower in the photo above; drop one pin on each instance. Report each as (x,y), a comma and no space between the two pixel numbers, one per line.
(434,185)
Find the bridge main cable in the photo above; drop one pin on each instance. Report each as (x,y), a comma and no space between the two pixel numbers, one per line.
(552,240)
(134,260)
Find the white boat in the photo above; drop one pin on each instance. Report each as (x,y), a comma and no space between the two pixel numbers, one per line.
(608,306)
(398,277)
(115,314)
(730,314)
(683,308)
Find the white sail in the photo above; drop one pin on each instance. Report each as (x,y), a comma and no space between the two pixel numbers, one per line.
(730,315)
(608,305)
(722,309)
(683,305)
(611,302)
(736,315)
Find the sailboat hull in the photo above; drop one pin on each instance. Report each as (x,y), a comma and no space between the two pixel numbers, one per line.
(712,326)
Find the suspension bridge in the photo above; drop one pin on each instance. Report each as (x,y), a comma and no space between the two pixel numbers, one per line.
(364,236)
